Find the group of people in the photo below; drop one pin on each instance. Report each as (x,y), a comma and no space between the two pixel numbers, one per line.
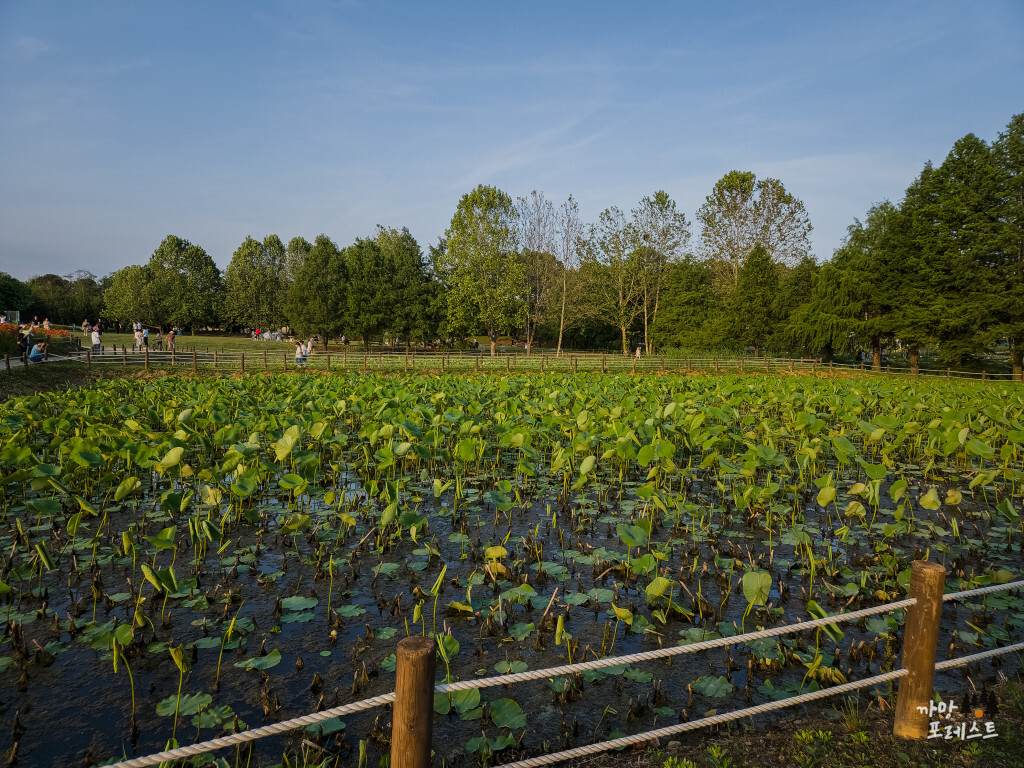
(27,351)
(303,352)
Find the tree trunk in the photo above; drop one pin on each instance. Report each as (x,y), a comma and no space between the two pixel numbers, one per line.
(493,342)
(876,354)
(1017,357)
(915,359)
(561,320)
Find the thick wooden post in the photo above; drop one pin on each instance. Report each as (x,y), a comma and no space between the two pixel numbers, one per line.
(243,362)
(215,359)
(508,364)
(413,719)
(983,377)
(124,355)
(634,365)
(7,361)
(147,358)
(328,362)
(920,643)
(406,370)
(265,366)
(947,374)
(716,365)
(195,365)
(442,363)
(364,363)
(604,367)
(478,363)
(284,357)
(741,365)
(767,365)
(88,360)
(172,357)
(663,364)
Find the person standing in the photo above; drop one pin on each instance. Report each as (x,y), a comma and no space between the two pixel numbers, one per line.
(300,354)
(145,337)
(96,339)
(638,353)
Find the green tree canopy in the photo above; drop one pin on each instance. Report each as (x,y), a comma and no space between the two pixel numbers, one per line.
(316,297)
(742,212)
(484,273)
(254,284)
(185,285)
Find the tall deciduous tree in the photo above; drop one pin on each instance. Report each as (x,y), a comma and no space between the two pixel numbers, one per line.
(742,212)
(185,284)
(570,246)
(297,251)
(485,273)
(254,283)
(538,232)
(614,248)
(664,233)
(128,295)
(14,294)
(316,297)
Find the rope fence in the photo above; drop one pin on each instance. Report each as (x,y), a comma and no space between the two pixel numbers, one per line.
(918,665)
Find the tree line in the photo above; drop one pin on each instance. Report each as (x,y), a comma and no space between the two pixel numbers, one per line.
(943,268)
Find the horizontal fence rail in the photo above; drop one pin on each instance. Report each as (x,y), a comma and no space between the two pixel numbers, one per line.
(918,661)
(517,362)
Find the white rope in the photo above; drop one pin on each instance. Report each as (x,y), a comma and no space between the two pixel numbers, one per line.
(982,591)
(257,733)
(671,730)
(660,653)
(963,661)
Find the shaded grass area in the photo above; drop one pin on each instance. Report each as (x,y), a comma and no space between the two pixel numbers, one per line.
(844,736)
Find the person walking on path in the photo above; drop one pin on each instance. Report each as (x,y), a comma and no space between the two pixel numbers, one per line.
(95,339)
(300,354)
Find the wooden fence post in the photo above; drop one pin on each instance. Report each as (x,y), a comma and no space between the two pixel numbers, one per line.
(508,364)
(947,374)
(147,358)
(124,355)
(328,362)
(920,642)
(195,365)
(243,362)
(172,357)
(741,365)
(265,366)
(215,359)
(604,366)
(88,360)
(634,364)
(7,361)
(284,357)
(791,365)
(663,364)
(413,719)
(406,370)
(716,365)
(477,363)
(983,377)
(364,362)
(767,365)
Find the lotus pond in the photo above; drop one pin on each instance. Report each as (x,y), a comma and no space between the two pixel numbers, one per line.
(184,557)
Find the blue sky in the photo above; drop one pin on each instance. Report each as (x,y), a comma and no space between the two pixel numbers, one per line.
(122,122)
